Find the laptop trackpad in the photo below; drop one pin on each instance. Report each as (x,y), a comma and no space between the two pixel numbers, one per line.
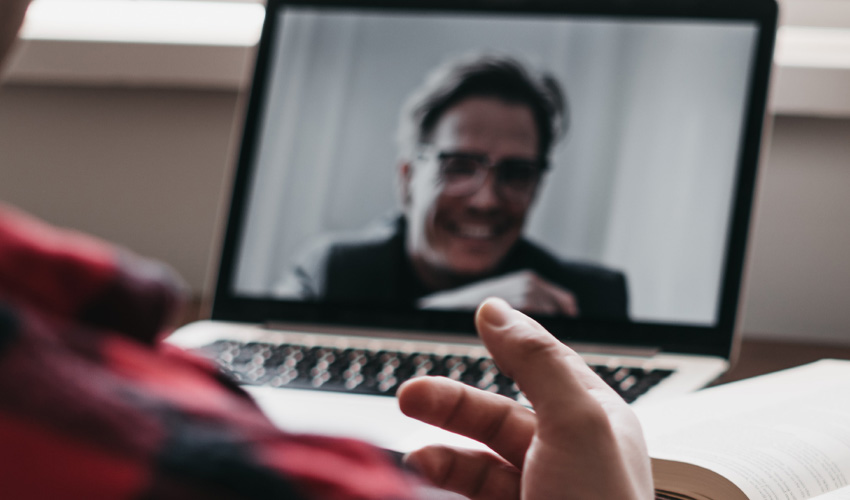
(374,419)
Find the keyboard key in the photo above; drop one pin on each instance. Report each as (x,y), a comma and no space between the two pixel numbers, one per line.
(382,372)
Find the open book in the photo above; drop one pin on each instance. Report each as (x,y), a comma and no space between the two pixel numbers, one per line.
(783,436)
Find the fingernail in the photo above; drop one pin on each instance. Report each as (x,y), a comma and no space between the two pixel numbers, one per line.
(416,461)
(429,462)
(410,461)
(495,312)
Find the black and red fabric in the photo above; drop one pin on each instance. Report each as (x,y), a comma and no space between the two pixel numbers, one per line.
(94,405)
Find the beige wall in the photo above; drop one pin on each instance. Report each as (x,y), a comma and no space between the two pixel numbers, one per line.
(145,167)
(799,272)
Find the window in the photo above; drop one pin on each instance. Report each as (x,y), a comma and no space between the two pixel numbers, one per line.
(202,22)
(209,43)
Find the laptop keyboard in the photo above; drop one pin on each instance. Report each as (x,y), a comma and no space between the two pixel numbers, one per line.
(373,372)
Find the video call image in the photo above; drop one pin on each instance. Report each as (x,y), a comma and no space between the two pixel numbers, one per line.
(576,167)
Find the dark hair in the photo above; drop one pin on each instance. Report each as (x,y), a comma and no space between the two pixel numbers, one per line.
(501,77)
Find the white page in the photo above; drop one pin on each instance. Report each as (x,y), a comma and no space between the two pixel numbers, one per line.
(842,494)
(784,436)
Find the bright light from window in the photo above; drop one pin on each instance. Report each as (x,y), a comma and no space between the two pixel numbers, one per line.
(813,47)
(149,21)
(811,43)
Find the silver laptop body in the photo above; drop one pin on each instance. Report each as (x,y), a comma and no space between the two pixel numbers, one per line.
(645,200)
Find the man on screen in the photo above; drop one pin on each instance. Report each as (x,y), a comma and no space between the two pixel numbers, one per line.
(475,142)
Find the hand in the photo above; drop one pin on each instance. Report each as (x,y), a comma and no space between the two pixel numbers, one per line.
(584,442)
(524,290)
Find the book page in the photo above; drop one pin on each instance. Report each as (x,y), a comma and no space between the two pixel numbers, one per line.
(779,437)
(842,494)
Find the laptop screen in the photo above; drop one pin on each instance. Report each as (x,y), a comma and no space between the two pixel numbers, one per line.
(402,164)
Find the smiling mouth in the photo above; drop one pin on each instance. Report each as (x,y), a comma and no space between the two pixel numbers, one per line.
(476,231)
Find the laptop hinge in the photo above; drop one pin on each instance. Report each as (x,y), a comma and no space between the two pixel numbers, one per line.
(608,350)
(581,348)
(375,333)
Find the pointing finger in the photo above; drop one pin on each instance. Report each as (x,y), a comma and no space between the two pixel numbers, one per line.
(530,355)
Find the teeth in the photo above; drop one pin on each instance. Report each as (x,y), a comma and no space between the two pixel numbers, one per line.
(476,231)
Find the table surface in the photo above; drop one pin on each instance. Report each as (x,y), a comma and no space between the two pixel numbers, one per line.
(760,356)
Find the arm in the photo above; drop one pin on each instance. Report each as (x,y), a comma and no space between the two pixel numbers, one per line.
(524,290)
(581,442)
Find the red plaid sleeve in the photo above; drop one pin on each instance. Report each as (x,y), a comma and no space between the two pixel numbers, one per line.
(91,406)
(70,274)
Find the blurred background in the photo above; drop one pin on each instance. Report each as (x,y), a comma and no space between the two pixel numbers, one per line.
(120,117)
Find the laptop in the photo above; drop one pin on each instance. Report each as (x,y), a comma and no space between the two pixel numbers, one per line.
(593,163)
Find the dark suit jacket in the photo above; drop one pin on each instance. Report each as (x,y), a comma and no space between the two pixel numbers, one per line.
(372,267)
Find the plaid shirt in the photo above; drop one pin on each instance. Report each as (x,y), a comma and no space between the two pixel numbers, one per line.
(93,405)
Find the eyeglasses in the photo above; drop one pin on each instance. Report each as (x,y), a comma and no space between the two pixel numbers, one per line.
(462,174)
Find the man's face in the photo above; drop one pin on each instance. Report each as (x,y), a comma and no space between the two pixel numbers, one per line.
(469,234)
(11,16)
